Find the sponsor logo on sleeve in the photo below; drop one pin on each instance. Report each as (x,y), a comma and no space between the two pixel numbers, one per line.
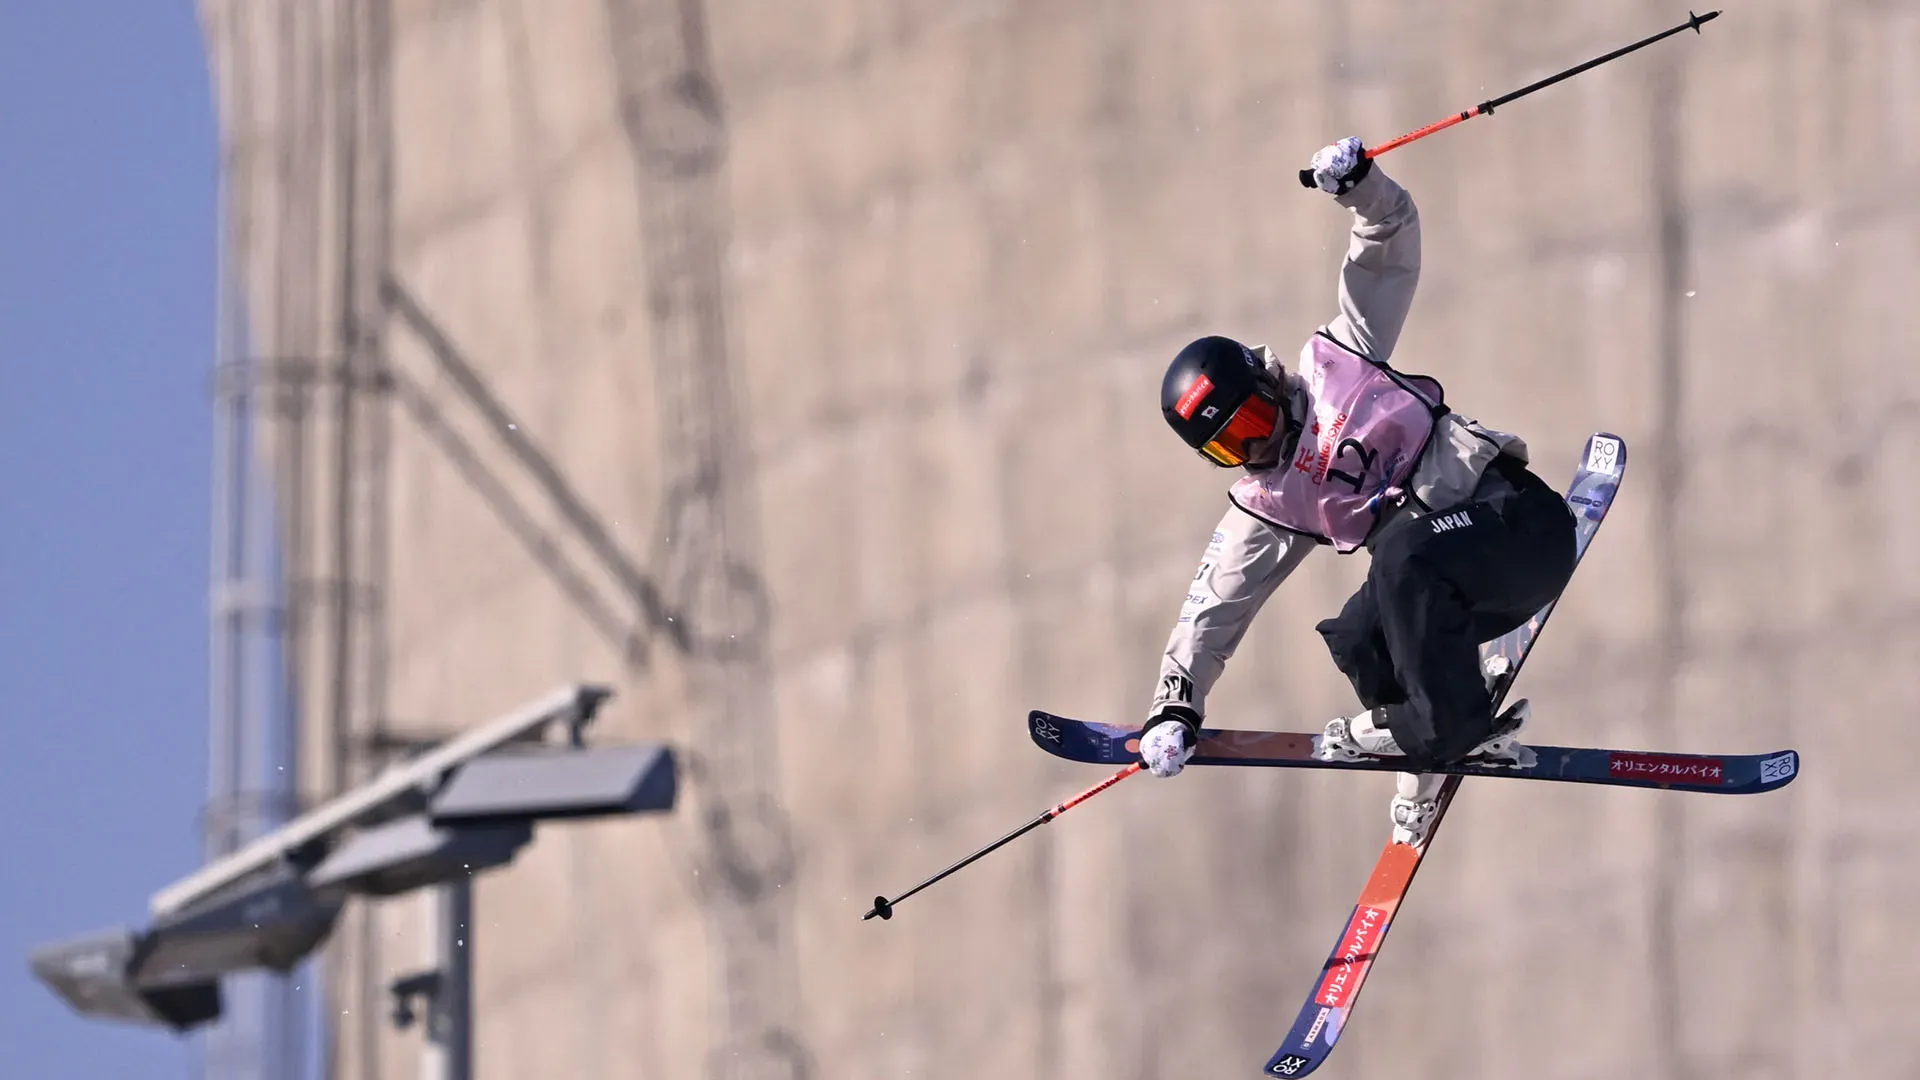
(1176,688)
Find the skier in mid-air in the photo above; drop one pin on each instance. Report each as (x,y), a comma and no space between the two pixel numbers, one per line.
(1466,542)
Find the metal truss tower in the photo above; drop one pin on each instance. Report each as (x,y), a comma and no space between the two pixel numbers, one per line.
(299,515)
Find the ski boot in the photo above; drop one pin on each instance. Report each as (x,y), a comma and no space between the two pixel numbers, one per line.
(1356,738)
(1416,798)
(1503,748)
(1361,738)
(1416,801)
(1417,795)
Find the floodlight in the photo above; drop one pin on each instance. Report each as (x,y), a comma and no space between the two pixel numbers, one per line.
(94,975)
(549,783)
(572,705)
(413,852)
(271,921)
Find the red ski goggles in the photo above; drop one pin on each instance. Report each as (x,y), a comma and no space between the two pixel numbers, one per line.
(1250,423)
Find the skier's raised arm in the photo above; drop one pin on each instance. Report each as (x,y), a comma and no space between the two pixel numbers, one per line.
(1382,267)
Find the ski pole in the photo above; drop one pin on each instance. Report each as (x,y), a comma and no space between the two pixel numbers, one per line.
(1486,108)
(883,907)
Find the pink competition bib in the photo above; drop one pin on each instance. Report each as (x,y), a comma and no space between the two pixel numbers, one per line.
(1367,426)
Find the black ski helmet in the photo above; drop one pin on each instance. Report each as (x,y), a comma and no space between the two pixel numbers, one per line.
(1218,396)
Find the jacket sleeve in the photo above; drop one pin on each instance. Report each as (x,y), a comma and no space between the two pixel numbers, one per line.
(1382,266)
(1245,561)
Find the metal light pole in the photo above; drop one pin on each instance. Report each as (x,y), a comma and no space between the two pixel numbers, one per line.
(449,1051)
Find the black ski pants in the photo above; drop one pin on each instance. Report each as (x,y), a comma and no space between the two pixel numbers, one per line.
(1439,585)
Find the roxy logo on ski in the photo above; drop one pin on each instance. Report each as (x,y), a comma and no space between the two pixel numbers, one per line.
(1604,456)
(1449,522)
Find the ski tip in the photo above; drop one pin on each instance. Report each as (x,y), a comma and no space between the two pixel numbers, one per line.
(1290,1065)
(1606,456)
(1779,769)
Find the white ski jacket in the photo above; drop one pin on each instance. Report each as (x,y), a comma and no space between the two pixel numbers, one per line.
(1247,559)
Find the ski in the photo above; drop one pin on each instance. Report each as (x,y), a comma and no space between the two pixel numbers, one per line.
(1318,1026)
(1720,774)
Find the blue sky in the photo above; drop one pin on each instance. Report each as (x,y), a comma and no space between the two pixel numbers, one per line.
(108,194)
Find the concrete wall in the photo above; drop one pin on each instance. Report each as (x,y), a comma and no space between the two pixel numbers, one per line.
(835,328)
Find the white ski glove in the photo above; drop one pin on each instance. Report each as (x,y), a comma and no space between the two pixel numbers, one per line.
(1339,166)
(1168,742)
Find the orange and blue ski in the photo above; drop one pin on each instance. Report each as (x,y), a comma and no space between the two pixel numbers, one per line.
(1719,774)
(1324,1016)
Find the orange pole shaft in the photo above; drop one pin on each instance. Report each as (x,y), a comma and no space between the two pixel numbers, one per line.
(1438,125)
(1096,789)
